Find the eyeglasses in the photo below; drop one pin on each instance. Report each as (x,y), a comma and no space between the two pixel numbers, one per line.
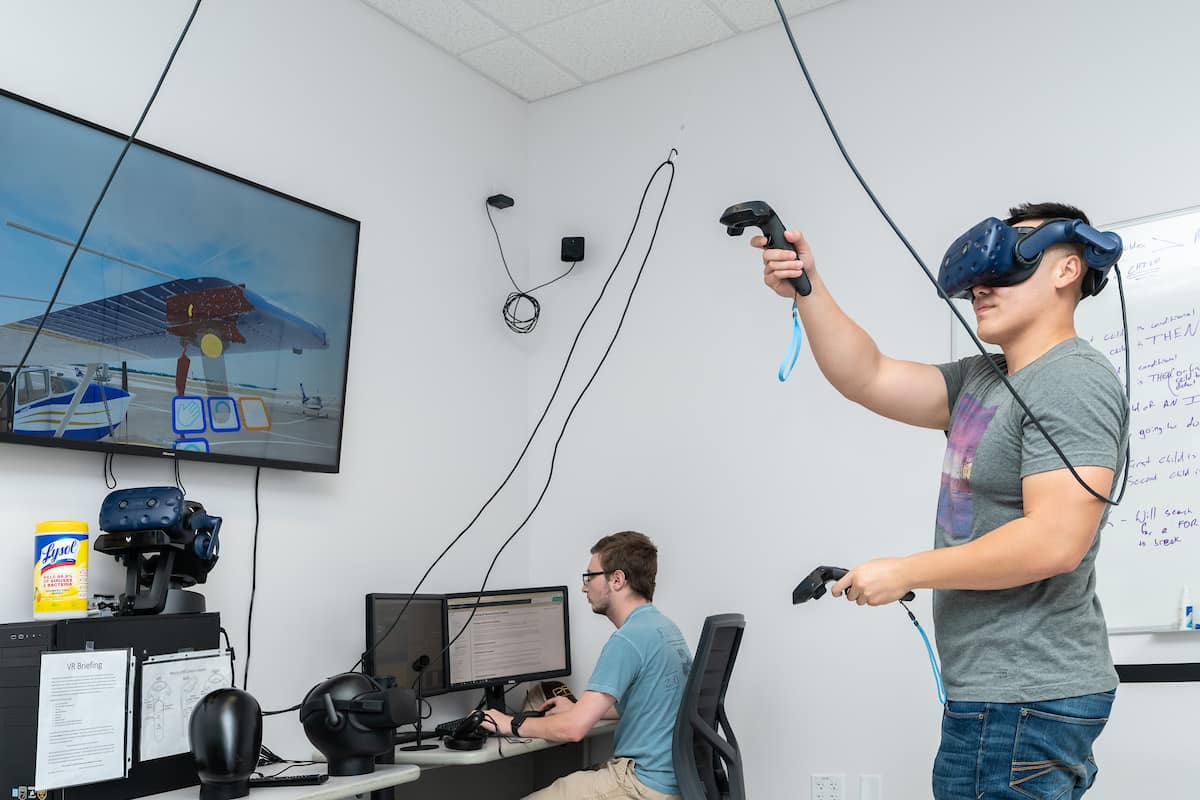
(587,576)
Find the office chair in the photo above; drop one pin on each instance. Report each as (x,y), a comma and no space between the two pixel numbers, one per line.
(708,766)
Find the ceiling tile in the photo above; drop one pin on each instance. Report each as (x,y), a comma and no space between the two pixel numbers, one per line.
(750,14)
(521,15)
(453,25)
(624,34)
(519,68)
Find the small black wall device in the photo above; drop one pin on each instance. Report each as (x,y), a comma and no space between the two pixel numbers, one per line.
(572,248)
(500,201)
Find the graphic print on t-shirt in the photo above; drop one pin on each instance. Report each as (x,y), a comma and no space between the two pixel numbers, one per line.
(955,500)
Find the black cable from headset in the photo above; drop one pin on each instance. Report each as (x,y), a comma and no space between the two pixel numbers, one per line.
(110,477)
(545,411)
(607,350)
(941,292)
(515,322)
(179,480)
(96,207)
(282,710)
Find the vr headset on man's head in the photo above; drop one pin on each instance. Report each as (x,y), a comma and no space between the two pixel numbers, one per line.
(994,253)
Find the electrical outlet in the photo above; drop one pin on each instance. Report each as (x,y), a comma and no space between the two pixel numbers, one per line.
(870,787)
(828,787)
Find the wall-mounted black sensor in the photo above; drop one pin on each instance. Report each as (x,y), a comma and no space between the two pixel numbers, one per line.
(572,248)
(500,201)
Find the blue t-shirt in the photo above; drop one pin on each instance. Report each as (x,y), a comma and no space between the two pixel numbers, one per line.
(644,665)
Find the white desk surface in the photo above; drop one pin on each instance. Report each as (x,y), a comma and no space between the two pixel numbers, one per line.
(385,775)
(493,749)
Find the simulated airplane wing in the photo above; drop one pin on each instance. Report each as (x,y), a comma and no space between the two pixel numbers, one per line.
(217,316)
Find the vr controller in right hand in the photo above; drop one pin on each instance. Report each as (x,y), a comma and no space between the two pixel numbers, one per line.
(758,214)
(813,586)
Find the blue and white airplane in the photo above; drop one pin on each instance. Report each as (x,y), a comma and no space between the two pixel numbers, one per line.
(206,316)
(66,402)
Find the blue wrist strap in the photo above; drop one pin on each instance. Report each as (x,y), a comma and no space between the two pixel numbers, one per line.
(785,366)
(937,672)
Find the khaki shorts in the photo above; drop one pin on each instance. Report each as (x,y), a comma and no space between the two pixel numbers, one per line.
(612,780)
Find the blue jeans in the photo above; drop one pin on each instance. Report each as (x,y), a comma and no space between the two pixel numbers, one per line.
(1019,751)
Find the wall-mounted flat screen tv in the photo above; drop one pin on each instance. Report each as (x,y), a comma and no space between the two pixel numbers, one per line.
(205,316)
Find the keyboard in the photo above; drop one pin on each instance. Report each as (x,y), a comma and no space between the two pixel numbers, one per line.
(289,780)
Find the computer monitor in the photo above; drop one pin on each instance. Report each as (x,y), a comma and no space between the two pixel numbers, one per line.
(515,635)
(421,631)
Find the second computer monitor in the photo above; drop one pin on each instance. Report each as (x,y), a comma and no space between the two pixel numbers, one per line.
(395,643)
(515,635)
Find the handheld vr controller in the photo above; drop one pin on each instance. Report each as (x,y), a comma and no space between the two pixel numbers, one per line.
(760,215)
(813,586)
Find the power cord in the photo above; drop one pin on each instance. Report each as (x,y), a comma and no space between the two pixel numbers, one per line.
(558,385)
(253,587)
(424,700)
(290,765)
(603,358)
(253,583)
(110,477)
(232,658)
(267,758)
(512,315)
(545,411)
(96,207)
(941,293)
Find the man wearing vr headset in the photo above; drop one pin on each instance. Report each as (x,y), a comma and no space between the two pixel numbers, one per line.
(1020,633)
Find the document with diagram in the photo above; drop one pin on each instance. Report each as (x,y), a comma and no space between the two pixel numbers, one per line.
(172,686)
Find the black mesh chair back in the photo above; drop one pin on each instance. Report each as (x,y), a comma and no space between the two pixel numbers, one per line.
(708,763)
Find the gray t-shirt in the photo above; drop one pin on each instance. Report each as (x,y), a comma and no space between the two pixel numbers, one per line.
(1045,640)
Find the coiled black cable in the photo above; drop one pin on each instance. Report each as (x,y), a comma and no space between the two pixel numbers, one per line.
(516,320)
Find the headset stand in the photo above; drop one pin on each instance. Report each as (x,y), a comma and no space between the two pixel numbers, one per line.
(420,668)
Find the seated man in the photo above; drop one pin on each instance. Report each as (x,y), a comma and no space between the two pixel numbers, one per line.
(638,680)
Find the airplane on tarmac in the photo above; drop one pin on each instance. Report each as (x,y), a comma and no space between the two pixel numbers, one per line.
(63,402)
(209,316)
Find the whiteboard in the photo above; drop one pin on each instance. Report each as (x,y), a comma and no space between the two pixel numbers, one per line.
(1150,545)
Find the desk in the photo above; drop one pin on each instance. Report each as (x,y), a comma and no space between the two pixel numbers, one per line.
(385,776)
(502,769)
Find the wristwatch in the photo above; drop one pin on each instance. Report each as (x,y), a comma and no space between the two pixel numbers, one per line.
(517,720)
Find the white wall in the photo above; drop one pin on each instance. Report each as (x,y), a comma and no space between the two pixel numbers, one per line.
(953,111)
(333,103)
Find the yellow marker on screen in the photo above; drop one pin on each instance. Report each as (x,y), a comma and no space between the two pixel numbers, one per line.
(211,345)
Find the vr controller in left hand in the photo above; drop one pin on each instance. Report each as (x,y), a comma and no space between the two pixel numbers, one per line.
(813,586)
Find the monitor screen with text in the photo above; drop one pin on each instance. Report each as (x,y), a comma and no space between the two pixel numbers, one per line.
(514,635)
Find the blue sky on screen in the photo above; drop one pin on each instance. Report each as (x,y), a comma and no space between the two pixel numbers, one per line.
(173,217)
